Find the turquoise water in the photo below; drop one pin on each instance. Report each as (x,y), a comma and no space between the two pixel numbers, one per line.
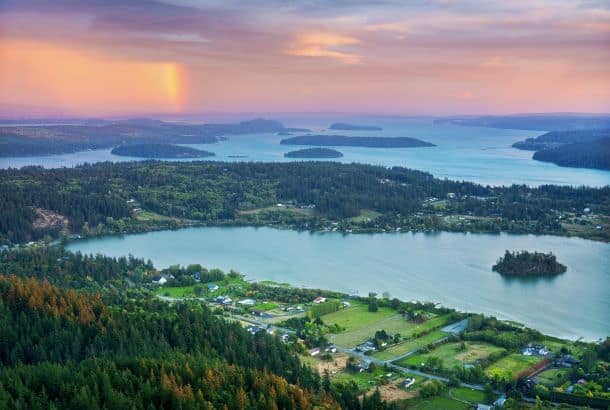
(449,268)
(482,155)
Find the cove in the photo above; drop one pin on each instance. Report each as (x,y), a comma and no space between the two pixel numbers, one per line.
(453,269)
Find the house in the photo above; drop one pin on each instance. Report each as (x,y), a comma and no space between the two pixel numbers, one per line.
(247,302)
(587,210)
(409,382)
(212,287)
(500,402)
(197,276)
(450,195)
(319,300)
(314,351)
(163,279)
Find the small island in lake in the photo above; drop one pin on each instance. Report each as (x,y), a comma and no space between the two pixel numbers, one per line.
(344,141)
(314,153)
(528,264)
(351,127)
(159,151)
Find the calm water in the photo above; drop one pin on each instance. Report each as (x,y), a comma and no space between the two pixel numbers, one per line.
(450,268)
(482,155)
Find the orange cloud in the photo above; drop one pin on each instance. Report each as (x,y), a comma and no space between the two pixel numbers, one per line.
(325,45)
(74,80)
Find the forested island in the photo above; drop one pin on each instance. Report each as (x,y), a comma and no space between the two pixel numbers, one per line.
(28,140)
(351,127)
(345,141)
(528,264)
(141,196)
(160,151)
(590,154)
(573,148)
(314,153)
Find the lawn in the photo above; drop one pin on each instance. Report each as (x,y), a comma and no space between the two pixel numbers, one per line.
(360,324)
(510,366)
(452,356)
(410,345)
(552,377)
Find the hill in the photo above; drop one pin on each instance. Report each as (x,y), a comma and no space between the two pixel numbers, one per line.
(160,151)
(314,153)
(344,141)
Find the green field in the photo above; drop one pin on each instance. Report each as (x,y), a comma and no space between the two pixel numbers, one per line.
(232,287)
(510,366)
(552,377)
(452,356)
(365,380)
(410,345)
(467,394)
(436,403)
(365,215)
(264,307)
(360,324)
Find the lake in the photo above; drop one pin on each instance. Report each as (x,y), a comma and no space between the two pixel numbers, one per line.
(482,155)
(453,269)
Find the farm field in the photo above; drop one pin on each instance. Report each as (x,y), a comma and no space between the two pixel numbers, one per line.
(410,345)
(510,366)
(451,355)
(360,324)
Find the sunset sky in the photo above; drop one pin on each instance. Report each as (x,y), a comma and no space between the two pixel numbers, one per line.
(121,57)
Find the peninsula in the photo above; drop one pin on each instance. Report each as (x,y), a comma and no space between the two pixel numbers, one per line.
(345,141)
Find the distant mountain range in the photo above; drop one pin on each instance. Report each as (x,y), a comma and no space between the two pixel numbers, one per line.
(540,122)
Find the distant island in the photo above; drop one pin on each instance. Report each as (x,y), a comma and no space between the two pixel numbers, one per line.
(528,264)
(160,151)
(590,154)
(52,138)
(314,153)
(351,127)
(344,141)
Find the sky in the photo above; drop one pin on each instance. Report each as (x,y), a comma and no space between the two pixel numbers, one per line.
(419,57)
